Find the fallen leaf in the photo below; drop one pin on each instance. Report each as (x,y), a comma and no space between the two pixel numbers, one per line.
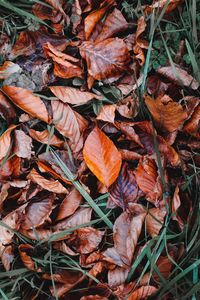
(192,125)
(37,213)
(6,109)
(126,232)
(107,113)
(93,297)
(129,155)
(178,76)
(7,257)
(125,189)
(57,5)
(142,293)
(140,44)
(117,276)
(167,114)
(147,179)
(112,256)
(23,144)
(45,137)
(102,157)
(114,23)
(27,101)
(85,240)
(5,141)
(128,107)
(106,60)
(8,69)
(155,220)
(73,96)
(50,185)
(25,255)
(160,4)
(80,217)
(69,205)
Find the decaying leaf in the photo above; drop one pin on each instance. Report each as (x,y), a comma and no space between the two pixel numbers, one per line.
(167,114)
(73,96)
(143,293)
(5,141)
(160,4)
(24,252)
(27,101)
(102,157)
(23,144)
(107,59)
(8,69)
(155,220)
(6,109)
(45,137)
(107,113)
(7,257)
(140,44)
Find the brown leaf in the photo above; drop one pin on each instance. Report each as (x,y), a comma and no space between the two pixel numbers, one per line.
(45,137)
(23,144)
(65,66)
(106,60)
(27,101)
(86,240)
(159,4)
(8,69)
(129,132)
(128,107)
(7,257)
(107,113)
(66,122)
(73,96)
(155,220)
(125,189)
(36,234)
(57,5)
(192,125)
(114,23)
(94,17)
(93,297)
(50,185)
(142,293)
(102,157)
(80,217)
(117,276)
(147,179)
(37,213)
(45,13)
(24,45)
(167,114)
(126,232)
(112,256)
(129,155)
(25,251)
(140,44)
(179,76)
(5,141)
(69,205)
(6,109)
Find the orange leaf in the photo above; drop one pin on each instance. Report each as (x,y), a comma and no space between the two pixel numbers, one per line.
(143,293)
(106,60)
(6,109)
(107,113)
(23,144)
(50,185)
(5,141)
(8,69)
(102,157)
(73,96)
(192,125)
(45,137)
(147,179)
(28,102)
(167,114)
(155,220)
(69,205)
(159,4)
(25,251)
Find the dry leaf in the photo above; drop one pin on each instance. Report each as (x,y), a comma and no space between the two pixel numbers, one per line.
(143,293)
(167,114)
(107,113)
(69,205)
(73,96)
(117,276)
(5,141)
(160,4)
(45,137)
(125,189)
(27,101)
(50,185)
(102,157)
(192,125)
(106,60)
(7,257)
(25,251)
(155,220)
(23,144)
(8,69)
(6,109)
(140,44)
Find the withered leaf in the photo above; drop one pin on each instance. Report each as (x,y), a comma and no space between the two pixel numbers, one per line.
(125,189)
(49,185)
(37,213)
(107,113)
(6,109)
(8,69)
(102,157)
(117,276)
(155,220)
(106,60)
(5,141)
(143,293)
(7,257)
(25,255)
(159,4)
(27,101)
(23,144)
(69,205)
(192,125)
(45,137)
(73,96)
(167,114)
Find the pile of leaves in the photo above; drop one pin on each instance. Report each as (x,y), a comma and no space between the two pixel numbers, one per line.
(99,153)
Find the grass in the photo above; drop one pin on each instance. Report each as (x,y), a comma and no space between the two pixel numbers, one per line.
(183,282)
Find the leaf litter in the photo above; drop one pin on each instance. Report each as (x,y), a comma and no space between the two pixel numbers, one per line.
(94,174)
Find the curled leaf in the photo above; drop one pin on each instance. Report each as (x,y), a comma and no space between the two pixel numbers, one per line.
(102,157)
(27,101)
(155,220)
(25,251)
(143,293)
(45,137)
(6,109)
(5,141)
(107,113)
